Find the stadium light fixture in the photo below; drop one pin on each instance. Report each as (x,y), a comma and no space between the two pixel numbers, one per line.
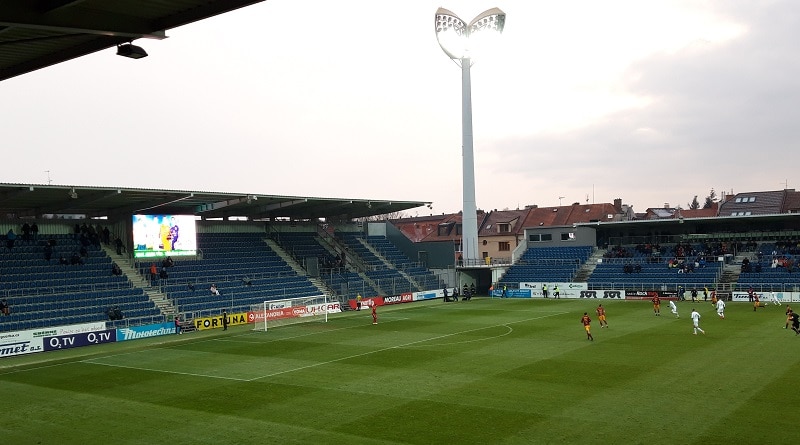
(455,37)
(131,51)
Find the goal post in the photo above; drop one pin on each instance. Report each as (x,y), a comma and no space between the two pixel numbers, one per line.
(273,313)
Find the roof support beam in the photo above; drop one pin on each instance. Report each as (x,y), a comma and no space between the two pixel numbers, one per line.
(77,20)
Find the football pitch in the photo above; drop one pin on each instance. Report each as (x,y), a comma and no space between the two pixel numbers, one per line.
(486,371)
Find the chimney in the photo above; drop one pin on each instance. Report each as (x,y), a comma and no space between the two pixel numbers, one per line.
(618,205)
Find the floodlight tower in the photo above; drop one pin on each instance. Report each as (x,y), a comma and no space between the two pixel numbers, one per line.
(453,35)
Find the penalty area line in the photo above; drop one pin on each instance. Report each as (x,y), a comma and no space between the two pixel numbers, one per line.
(139,368)
(404,345)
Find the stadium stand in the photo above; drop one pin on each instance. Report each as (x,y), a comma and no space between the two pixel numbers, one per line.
(546,264)
(243,268)
(660,267)
(44,293)
(772,268)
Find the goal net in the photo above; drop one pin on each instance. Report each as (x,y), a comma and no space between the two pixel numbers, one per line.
(273,313)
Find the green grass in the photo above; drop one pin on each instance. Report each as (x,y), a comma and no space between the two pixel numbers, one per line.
(486,372)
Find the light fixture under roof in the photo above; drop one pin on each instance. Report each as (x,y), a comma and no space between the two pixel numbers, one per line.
(131,51)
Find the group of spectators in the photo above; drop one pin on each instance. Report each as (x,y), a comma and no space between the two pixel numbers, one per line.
(114,313)
(156,274)
(328,262)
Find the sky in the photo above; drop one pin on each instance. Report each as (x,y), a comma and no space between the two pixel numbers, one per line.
(578,101)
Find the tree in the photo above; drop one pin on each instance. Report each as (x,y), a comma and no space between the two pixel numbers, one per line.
(382,217)
(695,204)
(710,199)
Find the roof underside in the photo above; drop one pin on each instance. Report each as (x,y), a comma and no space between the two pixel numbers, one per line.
(38,33)
(36,200)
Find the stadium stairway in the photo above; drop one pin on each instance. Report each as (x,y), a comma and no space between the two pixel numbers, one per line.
(285,256)
(139,282)
(319,284)
(586,269)
(324,288)
(730,274)
(388,264)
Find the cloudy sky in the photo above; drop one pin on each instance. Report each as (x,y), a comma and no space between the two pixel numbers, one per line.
(651,102)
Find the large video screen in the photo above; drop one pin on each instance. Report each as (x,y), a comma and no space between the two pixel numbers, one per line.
(160,236)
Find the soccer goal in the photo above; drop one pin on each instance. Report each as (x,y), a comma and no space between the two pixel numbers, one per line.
(273,313)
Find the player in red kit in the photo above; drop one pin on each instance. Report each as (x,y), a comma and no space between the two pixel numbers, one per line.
(601,315)
(587,326)
(374,313)
(657,305)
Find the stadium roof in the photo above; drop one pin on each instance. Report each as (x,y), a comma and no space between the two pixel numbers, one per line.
(38,33)
(35,200)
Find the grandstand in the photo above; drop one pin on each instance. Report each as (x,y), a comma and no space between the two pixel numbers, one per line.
(243,268)
(546,265)
(44,293)
(250,262)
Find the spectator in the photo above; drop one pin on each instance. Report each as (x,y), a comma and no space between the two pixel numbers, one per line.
(35,231)
(153,272)
(75,259)
(178,325)
(168,262)
(11,237)
(191,287)
(4,308)
(114,313)
(247,281)
(48,252)
(214,290)
(26,232)
(115,270)
(119,246)
(84,252)
(163,274)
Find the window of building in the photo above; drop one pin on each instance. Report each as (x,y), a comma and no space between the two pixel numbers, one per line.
(540,237)
(504,228)
(504,246)
(458,229)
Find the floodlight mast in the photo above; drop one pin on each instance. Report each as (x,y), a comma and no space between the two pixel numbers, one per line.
(453,37)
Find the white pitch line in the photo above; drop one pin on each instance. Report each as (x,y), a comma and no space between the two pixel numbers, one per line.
(314,365)
(165,371)
(297,336)
(93,362)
